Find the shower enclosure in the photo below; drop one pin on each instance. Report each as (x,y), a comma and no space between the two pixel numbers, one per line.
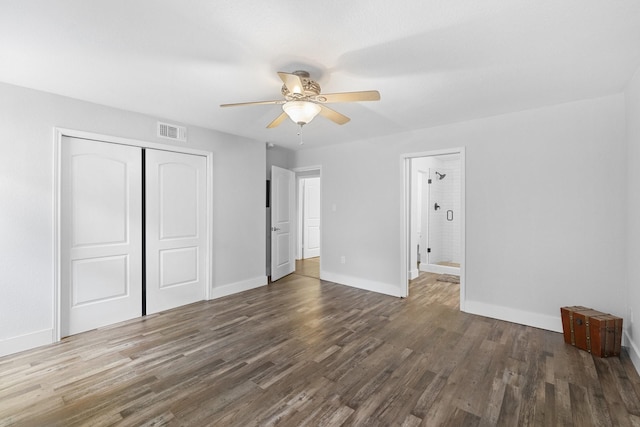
(443,211)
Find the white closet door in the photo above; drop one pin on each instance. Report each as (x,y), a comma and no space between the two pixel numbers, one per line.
(176,229)
(101,235)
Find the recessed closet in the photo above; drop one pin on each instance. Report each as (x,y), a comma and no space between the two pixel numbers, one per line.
(133,232)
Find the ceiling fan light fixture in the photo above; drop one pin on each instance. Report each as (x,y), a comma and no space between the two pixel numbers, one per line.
(301,112)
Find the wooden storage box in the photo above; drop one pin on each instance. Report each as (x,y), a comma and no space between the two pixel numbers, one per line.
(598,333)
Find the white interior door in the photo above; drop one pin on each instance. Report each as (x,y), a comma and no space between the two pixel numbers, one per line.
(176,229)
(101,234)
(282,213)
(311,221)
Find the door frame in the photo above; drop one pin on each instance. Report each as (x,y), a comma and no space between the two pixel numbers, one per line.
(300,210)
(314,171)
(405,218)
(59,133)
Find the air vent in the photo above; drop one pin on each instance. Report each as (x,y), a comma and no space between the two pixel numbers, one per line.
(166,130)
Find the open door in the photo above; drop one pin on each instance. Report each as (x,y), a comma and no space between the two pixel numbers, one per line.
(282,213)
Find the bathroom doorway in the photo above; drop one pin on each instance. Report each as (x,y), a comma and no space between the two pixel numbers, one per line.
(434,218)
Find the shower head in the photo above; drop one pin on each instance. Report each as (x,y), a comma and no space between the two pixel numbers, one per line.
(441,175)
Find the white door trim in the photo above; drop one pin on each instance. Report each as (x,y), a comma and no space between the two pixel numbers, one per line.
(58,134)
(405,220)
(315,168)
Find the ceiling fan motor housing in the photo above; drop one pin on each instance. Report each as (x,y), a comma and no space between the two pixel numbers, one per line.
(310,88)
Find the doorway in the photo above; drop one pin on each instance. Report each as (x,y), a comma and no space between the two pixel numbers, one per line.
(437,213)
(132,230)
(433,218)
(309,209)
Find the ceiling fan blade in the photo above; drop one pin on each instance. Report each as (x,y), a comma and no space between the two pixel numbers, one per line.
(367,95)
(238,104)
(277,121)
(333,115)
(293,82)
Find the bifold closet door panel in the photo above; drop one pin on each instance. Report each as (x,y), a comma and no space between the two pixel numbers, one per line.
(176,229)
(101,234)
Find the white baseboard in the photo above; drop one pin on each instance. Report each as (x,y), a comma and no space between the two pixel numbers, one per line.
(440,269)
(356,282)
(537,320)
(45,336)
(632,348)
(413,273)
(26,342)
(234,288)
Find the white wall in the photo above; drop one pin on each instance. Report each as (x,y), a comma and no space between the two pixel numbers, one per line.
(545,216)
(360,213)
(633,215)
(27,120)
(278,156)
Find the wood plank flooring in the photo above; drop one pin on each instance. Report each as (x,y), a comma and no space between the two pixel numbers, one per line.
(309,267)
(301,352)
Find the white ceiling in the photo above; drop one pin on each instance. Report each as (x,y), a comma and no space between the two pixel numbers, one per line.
(433,61)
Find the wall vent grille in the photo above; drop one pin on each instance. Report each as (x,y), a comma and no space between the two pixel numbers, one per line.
(169,131)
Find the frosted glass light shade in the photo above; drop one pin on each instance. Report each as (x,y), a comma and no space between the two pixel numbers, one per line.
(301,112)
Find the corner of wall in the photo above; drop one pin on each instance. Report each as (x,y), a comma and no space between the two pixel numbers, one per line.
(632,107)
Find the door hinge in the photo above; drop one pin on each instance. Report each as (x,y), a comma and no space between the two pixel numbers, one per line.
(428,250)
(429,182)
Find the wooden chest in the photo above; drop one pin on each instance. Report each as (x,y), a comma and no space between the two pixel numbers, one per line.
(598,333)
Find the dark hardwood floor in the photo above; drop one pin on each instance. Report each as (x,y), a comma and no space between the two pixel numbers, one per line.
(304,352)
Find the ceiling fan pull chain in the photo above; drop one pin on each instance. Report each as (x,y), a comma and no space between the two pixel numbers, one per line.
(300,134)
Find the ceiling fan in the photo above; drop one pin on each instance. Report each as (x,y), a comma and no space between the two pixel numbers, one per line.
(303,100)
